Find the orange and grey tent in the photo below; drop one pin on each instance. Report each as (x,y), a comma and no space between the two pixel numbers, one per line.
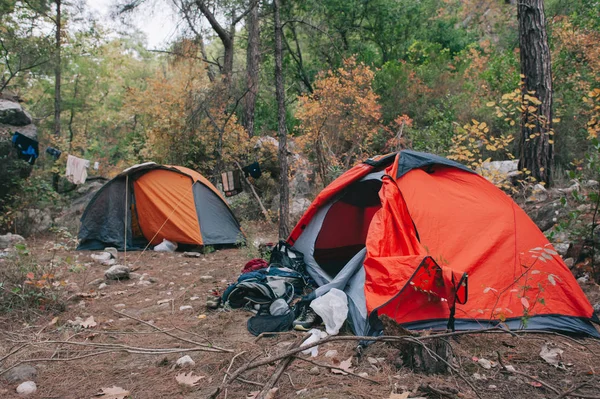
(408,235)
(149,202)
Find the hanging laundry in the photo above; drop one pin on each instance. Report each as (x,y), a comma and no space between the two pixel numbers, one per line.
(253,170)
(77,169)
(232,183)
(53,152)
(27,148)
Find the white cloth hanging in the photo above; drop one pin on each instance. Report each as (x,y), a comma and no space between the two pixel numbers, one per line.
(77,169)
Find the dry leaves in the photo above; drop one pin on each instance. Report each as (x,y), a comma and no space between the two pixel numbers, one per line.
(188,379)
(345,365)
(552,355)
(87,323)
(113,393)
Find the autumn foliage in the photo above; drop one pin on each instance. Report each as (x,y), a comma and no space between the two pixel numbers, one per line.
(184,119)
(341,119)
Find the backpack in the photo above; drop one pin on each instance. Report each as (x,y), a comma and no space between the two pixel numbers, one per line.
(284,256)
(264,286)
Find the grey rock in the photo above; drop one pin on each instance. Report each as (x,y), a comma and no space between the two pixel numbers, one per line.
(314,371)
(590,183)
(570,262)
(117,272)
(109,262)
(538,194)
(562,248)
(185,361)
(27,388)
(11,113)
(37,220)
(96,282)
(101,257)
(192,254)
(112,251)
(206,278)
(597,308)
(9,240)
(135,276)
(24,372)
(548,214)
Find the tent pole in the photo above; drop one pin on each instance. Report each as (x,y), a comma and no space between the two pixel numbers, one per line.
(125,221)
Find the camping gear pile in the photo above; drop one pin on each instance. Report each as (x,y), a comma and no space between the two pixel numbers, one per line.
(274,291)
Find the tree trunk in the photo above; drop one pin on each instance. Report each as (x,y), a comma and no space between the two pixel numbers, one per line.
(537,150)
(430,356)
(57,69)
(252,68)
(224,36)
(284,189)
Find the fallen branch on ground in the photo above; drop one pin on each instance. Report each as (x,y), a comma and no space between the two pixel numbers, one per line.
(279,371)
(329,366)
(210,348)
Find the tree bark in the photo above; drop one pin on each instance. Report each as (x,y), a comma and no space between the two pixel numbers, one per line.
(284,189)
(57,69)
(537,150)
(252,68)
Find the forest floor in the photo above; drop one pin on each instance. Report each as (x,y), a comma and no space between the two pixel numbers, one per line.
(178,281)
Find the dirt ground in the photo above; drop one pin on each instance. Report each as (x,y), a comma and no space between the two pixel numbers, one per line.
(173,280)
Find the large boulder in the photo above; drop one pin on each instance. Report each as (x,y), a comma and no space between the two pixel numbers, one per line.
(13,118)
(70,217)
(547,214)
(11,113)
(8,240)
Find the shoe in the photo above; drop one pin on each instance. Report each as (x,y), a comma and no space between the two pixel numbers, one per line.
(306,319)
(213,302)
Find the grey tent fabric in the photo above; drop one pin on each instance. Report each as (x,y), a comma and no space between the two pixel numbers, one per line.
(103,224)
(217,223)
(351,278)
(410,160)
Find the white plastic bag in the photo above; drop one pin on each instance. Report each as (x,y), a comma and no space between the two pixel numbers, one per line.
(166,246)
(315,335)
(333,309)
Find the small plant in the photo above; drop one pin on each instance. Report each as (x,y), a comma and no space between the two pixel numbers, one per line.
(208,249)
(26,284)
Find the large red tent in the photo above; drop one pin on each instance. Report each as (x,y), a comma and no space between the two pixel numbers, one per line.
(434,245)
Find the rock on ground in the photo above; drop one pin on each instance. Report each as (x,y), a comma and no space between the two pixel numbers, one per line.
(9,239)
(24,372)
(112,251)
(185,361)
(27,388)
(117,272)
